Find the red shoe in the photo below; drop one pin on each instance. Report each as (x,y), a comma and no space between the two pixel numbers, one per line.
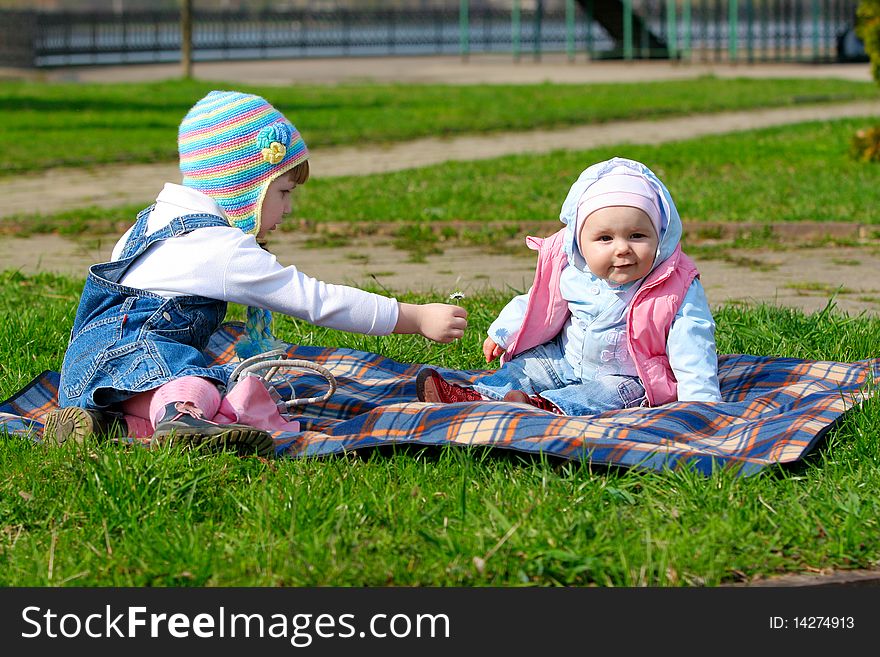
(431,387)
(535,400)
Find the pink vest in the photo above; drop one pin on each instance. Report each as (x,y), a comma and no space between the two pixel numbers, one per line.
(654,305)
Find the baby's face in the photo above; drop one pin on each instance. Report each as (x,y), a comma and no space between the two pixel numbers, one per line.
(618,243)
(276,204)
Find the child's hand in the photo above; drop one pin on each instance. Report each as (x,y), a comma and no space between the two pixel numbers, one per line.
(440,322)
(491,350)
(443,322)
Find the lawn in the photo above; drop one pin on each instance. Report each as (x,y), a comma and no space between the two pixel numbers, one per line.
(107,515)
(103,515)
(68,124)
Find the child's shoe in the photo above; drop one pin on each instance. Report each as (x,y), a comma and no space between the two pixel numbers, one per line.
(535,400)
(431,387)
(184,424)
(74,423)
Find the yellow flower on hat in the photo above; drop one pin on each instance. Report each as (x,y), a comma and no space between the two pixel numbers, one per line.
(274,153)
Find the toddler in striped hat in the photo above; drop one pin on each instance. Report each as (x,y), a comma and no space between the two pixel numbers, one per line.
(137,362)
(232,147)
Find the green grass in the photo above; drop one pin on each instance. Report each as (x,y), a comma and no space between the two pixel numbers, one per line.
(102,515)
(800,172)
(70,124)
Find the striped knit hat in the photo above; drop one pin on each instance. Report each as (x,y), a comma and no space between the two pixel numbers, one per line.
(232,146)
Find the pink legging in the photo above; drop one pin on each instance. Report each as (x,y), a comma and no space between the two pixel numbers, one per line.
(144,411)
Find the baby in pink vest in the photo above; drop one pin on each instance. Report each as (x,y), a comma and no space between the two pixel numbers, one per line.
(616,316)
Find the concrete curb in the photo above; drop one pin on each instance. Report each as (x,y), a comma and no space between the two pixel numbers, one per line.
(836,578)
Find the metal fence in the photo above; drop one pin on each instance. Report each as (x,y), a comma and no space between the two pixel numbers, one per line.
(701,30)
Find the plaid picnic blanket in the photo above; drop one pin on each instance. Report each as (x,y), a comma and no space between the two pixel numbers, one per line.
(774,411)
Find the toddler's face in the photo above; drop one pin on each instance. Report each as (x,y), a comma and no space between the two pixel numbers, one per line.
(276,204)
(618,243)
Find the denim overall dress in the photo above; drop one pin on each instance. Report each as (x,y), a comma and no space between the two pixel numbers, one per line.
(125,341)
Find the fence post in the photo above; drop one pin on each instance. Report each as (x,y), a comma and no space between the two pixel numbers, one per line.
(346,32)
(156,47)
(733,34)
(827,21)
(588,19)
(686,28)
(515,29)
(463,29)
(671,31)
(93,36)
(765,32)
(569,29)
(750,37)
(815,30)
(392,30)
(627,30)
(539,19)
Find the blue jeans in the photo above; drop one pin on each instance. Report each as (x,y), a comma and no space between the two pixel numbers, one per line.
(544,371)
(125,341)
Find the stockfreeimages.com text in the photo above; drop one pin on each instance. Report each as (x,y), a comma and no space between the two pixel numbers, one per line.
(299,629)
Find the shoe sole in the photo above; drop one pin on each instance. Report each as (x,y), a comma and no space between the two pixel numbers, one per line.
(69,423)
(425,388)
(246,442)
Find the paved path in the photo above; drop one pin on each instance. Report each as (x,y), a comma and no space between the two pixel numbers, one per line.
(447,69)
(803,279)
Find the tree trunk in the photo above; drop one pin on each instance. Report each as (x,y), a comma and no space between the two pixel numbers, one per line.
(186,38)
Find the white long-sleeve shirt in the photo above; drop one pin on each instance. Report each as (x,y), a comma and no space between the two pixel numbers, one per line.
(224,263)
